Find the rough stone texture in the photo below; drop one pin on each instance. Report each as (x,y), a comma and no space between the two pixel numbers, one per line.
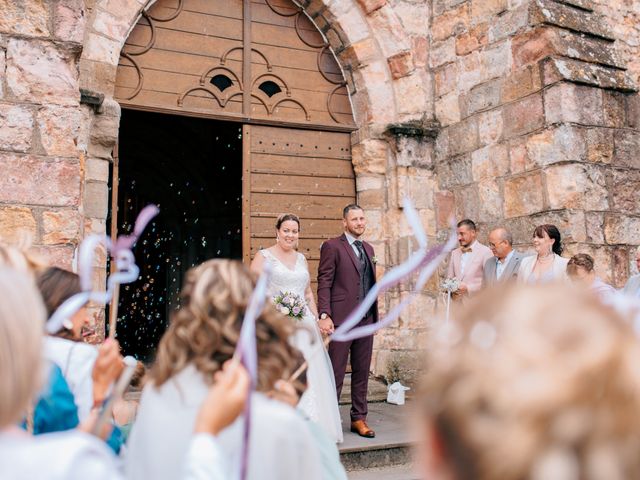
(16,127)
(33,180)
(41,71)
(537,121)
(15,222)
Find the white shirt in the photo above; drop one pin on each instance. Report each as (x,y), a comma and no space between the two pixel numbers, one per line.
(74,455)
(466,256)
(500,266)
(76,360)
(351,239)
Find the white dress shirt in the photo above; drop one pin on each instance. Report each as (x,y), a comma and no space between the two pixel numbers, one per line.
(351,239)
(466,256)
(500,266)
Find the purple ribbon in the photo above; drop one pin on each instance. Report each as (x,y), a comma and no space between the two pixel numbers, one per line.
(425,260)
(126,269)
(247,352)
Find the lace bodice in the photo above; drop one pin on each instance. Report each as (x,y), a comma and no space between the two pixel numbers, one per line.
(285,279)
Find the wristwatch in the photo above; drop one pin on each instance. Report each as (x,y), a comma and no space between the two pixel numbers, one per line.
(323,315)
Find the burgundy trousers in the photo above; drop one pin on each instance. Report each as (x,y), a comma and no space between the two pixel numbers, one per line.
(361,350)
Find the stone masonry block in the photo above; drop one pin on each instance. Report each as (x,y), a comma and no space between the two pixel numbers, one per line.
(36,181)
(450,23)
(490,162)
(25,17)
(60,226)
(553,13)
(521,83)
(16,222)
(523,195)
(370,6)
(463,136)
(96,199)
(485,96)
(523,116)
(42,72)
(442,52)
(491,201)
(622,229)
(371,156)
(445,80)
(474,39)
(625,190)
(3,63)
(401,64)
(16,127)
(626,148)
(577,71)
(490,127)
(576,186)
(59,127)
(509,23)
(565,102)
(69,19)
(487,9)
(448,109)
(554,145)
(454,172)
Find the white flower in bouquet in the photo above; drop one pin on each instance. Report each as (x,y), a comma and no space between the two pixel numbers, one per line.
(290,304)
(450,285)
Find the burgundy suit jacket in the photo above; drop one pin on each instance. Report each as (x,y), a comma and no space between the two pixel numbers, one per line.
(339,279)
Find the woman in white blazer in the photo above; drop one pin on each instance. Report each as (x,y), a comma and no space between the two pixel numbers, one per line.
(547,265)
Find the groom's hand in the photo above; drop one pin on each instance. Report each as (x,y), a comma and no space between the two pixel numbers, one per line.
(326,326)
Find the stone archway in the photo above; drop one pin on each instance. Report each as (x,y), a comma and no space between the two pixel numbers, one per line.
(383,53)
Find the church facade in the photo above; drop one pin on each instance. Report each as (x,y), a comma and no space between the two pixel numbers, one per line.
(230,112)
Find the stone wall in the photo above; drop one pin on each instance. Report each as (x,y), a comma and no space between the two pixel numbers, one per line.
(539,124)
(510,112)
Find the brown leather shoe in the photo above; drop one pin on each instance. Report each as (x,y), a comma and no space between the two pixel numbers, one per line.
(361,428)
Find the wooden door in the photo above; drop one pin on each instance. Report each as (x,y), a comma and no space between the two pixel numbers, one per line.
(305,172)
(261,63)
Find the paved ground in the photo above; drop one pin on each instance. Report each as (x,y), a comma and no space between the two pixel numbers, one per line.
(402,472)
(390,422)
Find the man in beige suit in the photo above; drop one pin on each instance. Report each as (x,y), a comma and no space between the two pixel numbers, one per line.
(467,262)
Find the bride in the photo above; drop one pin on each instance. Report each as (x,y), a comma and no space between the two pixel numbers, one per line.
(290,273)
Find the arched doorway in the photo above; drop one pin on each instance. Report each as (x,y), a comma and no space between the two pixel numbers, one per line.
(234,111)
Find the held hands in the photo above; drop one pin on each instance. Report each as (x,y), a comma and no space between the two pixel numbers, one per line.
(225,401)
(106,370)
(462,289)
(326,326)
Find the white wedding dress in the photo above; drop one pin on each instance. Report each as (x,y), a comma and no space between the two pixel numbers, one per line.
(319,402)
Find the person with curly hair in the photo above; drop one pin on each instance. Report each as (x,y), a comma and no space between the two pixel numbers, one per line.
(533,382)
(201,337)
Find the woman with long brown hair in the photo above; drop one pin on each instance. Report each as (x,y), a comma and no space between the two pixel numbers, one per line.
(202,336)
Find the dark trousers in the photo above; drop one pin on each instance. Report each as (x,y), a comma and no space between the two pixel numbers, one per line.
(360,350)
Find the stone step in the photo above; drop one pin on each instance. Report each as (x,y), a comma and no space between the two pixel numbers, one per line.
(377,390)
(395,472)
(392,445)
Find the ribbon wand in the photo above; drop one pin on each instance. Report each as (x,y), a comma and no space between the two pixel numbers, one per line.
(121,256)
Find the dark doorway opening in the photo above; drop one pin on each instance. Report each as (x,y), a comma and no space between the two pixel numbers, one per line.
(192,169)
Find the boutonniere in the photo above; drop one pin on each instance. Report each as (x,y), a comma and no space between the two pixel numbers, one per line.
(374,259)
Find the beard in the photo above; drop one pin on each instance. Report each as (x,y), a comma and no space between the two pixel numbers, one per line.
(354,233)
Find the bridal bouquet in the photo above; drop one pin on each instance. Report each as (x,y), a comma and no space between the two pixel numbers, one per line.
(290,304)
(450,285)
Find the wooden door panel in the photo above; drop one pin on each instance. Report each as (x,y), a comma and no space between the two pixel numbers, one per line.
(302,186)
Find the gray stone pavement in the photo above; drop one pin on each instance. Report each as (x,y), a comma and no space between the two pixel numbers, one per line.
(390,422)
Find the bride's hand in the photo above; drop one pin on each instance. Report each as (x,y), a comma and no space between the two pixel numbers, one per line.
(326,326)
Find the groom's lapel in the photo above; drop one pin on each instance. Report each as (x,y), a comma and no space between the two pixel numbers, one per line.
(350,252)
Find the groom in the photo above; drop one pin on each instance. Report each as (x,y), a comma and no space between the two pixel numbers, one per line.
(345,275)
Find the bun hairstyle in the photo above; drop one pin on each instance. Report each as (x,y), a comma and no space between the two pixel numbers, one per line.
(553,233)
(286,217)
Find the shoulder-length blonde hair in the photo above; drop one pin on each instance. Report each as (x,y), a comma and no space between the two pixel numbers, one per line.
(22,317)
(205,330)
(535,383)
